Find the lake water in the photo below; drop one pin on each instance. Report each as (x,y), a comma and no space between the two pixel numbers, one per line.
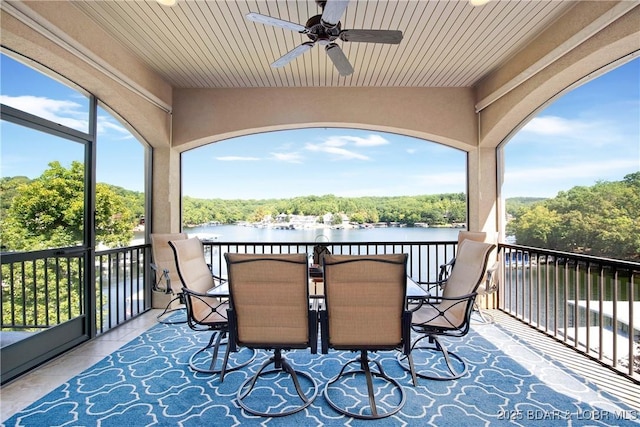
(238,233)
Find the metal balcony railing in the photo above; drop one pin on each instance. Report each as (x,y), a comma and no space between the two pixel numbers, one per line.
(121,290)
(424,258)
(42,289)
(588,303)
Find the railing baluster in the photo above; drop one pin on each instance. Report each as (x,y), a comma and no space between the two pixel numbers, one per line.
(615,318)
(574,294)
(632,335)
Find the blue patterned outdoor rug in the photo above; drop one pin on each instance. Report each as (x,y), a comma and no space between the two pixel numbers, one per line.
(148,383)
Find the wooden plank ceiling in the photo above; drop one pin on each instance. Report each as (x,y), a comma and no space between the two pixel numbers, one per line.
(210,44)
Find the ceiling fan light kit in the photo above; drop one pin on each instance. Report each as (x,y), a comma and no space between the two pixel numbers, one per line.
(324,30)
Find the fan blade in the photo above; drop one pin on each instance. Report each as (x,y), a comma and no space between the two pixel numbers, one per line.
(269,20)
(339,59)
(292,54)
(333,11)
(372,36)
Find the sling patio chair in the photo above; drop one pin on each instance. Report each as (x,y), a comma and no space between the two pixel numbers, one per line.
(489,285)
(269,309)
(166,273)
(447,314)
(365,311)
(204,312)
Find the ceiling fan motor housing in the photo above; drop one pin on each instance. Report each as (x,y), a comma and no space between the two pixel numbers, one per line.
(320,32)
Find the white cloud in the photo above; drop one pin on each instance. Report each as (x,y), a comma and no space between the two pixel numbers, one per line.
(587,134)
(338,153)
(552,125)
(106,124)
(237,159)
(67,113)
(287,157)
(370,141)
(337,146)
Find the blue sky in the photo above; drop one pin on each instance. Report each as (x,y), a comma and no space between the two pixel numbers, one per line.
(347,163)
(590,134)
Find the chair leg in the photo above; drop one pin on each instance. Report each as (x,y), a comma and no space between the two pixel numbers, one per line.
(412,369)
(216,347)
(296,383)
(280,365)
(369,378)
(447,357)
(162,317)
(369,374)
(407,362)
(226,360)
(218,339)
(486,317)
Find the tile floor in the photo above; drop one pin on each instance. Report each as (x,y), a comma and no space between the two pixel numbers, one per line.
(20,393)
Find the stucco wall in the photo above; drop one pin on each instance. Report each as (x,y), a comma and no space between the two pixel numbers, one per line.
(63,20)
(444,115)
(619,39)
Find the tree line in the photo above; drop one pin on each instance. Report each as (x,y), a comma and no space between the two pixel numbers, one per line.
(601,220)
(439,209)
(47,211)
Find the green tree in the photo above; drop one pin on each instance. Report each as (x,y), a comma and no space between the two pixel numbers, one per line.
(49,212)
(601,220)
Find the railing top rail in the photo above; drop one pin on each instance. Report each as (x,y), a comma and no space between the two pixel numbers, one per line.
(118,250)
(621,264)
(72,251)
(332,243)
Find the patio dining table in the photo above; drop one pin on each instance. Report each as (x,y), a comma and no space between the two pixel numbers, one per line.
(316,290)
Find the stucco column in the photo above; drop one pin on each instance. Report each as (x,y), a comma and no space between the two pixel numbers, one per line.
(483,203)
(483,209)
(165,210)
(166,191)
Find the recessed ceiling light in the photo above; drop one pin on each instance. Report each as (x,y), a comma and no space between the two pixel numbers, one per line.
(167,2)
(478,2)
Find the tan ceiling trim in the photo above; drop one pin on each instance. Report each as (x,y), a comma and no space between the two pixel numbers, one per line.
(52,33)
(587,32)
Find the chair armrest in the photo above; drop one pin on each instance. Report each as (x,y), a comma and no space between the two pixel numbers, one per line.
(491,281)
(213,302)
(445,270)
(158,278)
(427,286)
(219,278)
(436,299)
(433,300)
(216,277)
(197,294)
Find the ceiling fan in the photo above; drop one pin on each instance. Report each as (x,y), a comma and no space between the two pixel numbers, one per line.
(325,29)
